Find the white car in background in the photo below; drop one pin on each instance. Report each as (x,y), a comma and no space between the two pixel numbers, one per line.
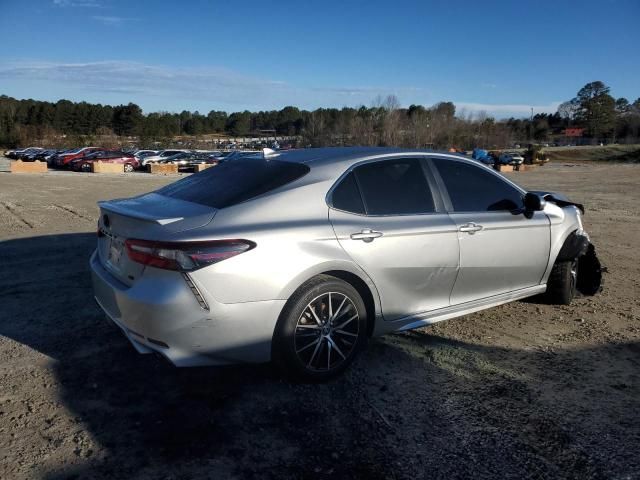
(511,158)
(140,154)
(162,155)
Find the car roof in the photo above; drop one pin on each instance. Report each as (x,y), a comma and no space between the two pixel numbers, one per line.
(331,162)
(316,157)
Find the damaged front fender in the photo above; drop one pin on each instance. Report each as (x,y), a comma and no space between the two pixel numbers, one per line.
(574,246)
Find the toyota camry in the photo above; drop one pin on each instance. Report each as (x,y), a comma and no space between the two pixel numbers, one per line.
(300,256)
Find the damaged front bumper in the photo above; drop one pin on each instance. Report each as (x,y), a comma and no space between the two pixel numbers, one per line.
(578,247)
(589,281)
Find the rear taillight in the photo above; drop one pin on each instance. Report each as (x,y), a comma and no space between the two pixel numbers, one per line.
(184,256)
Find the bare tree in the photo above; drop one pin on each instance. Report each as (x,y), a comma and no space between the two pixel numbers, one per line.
(392,121)
(568,110)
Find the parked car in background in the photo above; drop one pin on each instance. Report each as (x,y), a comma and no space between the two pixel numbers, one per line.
(140,154)
(51,155)
(43,155)
(188,160)
(228,156)
(27,153)
(182,159)
(162,155)
(511,158)
(51,159)
(30,155)
(61,160)
(16,153)
(84,164)
(10,153)
(483,156)
(301,256)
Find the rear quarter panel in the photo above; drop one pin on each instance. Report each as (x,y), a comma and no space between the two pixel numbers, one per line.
(294,242)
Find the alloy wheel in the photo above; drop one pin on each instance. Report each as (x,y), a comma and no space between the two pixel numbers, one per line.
(327,331)
(574,275)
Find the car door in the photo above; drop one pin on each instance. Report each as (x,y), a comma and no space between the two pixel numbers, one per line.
(390,219)
(502,249)
(111,157)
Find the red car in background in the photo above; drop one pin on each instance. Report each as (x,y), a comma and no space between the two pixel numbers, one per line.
(84,164)
(63,159)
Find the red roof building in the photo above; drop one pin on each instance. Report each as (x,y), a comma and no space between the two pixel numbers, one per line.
(573,132)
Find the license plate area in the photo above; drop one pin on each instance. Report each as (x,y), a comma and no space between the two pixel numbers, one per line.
(111,250)
(115,252)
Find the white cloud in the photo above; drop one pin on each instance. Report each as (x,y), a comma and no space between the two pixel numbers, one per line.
(110,20)
(157,87)
(506,110)
(138,82)
(78,3)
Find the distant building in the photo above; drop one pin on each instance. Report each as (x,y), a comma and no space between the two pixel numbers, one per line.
(573,132)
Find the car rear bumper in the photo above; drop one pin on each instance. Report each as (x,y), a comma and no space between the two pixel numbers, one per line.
(160,313)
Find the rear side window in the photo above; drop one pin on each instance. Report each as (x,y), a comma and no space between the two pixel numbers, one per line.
(394,187)
(472,189)
(346,195)
(233,182)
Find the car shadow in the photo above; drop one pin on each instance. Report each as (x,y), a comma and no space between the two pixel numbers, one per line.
(414,403)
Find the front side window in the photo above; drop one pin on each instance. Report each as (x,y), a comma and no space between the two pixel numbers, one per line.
(473,189)
(394,187)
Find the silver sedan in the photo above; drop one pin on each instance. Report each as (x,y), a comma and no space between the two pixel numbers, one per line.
(299,257)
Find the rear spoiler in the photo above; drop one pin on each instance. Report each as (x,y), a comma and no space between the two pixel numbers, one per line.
(138,215)
(161,210)
(559,199)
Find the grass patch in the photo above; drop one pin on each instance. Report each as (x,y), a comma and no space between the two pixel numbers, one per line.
(609,153)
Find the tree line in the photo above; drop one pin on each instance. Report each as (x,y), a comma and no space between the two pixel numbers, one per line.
(601,116)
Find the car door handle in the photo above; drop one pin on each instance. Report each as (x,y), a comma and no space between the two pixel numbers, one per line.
(471,228)
(367,235)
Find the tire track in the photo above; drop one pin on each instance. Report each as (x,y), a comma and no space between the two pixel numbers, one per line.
(72,212)
(9,207)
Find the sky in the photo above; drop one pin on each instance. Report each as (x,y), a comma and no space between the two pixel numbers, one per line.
(500,57)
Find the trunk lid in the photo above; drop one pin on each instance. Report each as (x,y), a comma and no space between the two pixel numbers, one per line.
(147,217)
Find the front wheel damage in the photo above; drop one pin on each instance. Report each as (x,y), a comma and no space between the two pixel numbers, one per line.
(589,281)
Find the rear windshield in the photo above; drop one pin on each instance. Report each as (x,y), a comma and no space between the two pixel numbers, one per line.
(235,181)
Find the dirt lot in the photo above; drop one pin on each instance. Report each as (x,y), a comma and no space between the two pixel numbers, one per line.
(525,390)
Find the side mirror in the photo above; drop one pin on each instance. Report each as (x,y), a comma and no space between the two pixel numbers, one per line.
(533,202)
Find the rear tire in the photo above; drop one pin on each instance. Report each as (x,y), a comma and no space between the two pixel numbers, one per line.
(85,167)
(321,330)
(561,286)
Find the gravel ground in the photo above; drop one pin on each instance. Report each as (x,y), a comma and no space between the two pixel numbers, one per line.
(525,390)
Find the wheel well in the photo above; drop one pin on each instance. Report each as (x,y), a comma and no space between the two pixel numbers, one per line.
(574,246)
(364,291)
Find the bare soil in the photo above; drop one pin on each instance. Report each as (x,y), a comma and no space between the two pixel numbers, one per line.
(525,390)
